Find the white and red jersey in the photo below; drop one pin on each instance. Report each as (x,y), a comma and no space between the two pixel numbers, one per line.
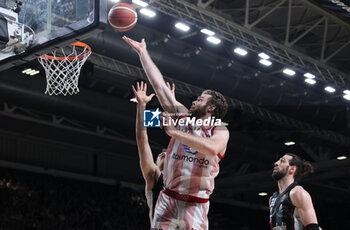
(187,171)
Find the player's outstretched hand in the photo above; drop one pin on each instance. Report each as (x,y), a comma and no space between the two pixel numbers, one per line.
(137,46)
(141,93)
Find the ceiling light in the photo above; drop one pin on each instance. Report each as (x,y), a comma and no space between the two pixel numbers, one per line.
(133,99)
(265,62)
(240,51)
(31,71)
(289,72)
(310,81)
(34,73)
(148,12)
(347,97)
(329,89)
(341,158)
(262,193)
(182,26)
(263,55)
(115,1)
(213,40)
(289,143)
(140,3)
(309,75)
(27,70)
(207,32)
(346,92)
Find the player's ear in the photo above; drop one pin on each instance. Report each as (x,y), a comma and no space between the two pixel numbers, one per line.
(292,169)
(211,108)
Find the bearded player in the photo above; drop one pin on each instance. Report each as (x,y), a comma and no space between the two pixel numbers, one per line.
(193,154)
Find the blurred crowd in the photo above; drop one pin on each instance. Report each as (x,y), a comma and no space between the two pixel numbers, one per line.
(36,201)
(45,202)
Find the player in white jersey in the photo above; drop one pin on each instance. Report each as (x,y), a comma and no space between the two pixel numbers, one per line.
(193,154)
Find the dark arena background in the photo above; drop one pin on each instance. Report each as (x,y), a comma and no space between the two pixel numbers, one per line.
(71,162)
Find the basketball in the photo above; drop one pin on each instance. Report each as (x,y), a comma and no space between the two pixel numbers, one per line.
(122,17)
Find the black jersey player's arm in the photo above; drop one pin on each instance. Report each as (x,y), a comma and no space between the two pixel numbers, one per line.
(149,169)
(301,199)
(164,95)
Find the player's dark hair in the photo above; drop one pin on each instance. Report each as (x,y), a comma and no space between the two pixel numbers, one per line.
(219,101)
(303,167)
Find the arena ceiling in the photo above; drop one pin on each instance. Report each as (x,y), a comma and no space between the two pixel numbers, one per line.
(92,133)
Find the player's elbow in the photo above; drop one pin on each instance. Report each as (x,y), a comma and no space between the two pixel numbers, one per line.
(212,151)
(214,148)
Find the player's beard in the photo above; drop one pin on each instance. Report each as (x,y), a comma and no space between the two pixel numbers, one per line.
(198,112)
(279,174)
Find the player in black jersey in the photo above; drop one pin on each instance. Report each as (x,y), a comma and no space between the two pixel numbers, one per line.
(152,172)
(291,207)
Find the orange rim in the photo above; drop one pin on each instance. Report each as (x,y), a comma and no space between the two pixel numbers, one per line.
(81,44)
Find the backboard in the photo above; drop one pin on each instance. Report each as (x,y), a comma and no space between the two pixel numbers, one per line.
(36,27)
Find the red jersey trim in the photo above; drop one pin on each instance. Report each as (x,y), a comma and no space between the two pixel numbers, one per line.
(184,197)
(220,157)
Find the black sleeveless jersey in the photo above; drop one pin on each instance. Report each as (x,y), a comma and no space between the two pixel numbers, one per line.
(156,190)
(283,214)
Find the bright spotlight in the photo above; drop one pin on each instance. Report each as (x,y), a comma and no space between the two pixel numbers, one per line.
(341,158)
(263,55)
(148,12)
(347,92)
(309,75)
(310,81)
(213,40)
(289,72)
(140,3)
(240,51)
(289,143)
(207,32)
(262,193)
(182,26)
(265,62)
(329,89)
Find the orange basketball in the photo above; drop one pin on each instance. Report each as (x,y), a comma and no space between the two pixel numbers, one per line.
(122,17)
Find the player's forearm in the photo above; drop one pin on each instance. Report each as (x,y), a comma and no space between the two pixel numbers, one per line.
(201,144)
(164,95)
(141,132)
(144,150)
(152,71)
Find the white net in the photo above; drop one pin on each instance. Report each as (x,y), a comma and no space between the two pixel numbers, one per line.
(62,69)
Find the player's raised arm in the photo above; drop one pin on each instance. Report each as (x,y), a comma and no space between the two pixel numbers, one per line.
(165,97)
(149,169)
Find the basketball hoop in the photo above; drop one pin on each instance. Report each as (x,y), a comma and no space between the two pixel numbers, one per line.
(62,69)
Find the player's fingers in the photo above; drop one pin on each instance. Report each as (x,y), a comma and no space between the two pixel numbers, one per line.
(145,87)
(141,86)
(138,86)
(133,89)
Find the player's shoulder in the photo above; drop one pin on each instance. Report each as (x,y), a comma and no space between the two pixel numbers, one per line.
(297,189)
(298,195)
(220,128)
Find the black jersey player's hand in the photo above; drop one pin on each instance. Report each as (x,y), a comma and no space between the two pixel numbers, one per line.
(141,93)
